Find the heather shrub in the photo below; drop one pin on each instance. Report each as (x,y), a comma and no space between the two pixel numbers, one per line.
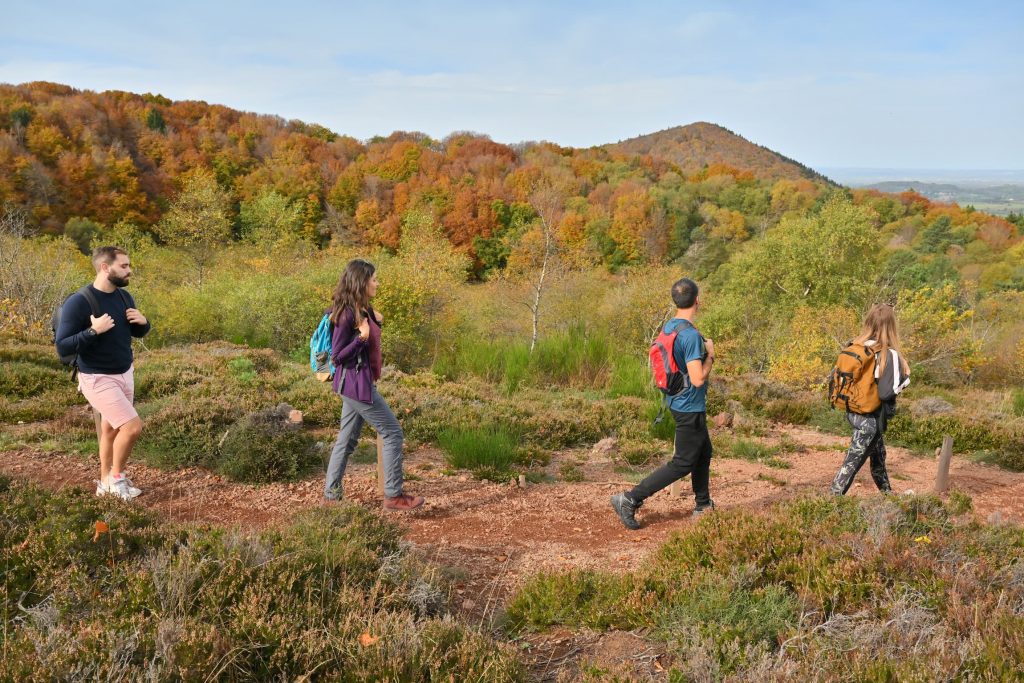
(790,411)
(640,452)
(20,379)
(35,352)
(333,592)
(264,447)
(993,441)
(34,385)
(320,406)
(183,431)
(45,406)
(190,402)
(425,405)
(875,587)
(829,420)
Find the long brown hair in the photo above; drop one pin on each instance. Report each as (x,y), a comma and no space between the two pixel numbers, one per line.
(880,325)
(351,291)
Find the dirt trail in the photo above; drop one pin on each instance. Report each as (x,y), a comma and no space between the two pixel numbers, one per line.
(500,533)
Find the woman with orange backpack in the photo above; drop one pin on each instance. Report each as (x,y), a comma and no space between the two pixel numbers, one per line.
(868,375)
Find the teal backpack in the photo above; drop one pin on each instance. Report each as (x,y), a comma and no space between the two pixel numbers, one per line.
(320,350)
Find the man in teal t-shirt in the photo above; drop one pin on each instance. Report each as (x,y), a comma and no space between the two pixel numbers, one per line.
(695,357)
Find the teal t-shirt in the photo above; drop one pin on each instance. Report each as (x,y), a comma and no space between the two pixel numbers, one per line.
(689,346)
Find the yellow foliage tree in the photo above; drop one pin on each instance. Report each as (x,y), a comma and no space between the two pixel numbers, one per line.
(814,338)
(936,335)
(416,286)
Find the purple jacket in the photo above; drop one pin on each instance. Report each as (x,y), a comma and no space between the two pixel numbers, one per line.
(351,358)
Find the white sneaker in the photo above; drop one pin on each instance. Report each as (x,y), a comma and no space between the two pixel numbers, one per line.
(135,492)
(123,489)
(101,488)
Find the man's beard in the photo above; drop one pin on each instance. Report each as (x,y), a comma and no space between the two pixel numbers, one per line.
(117,281)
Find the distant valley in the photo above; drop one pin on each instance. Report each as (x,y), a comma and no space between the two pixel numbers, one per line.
(998,192)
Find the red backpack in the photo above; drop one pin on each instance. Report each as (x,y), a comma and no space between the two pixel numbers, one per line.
(668,377)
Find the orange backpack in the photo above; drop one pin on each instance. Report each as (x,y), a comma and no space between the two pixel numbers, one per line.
(851,384)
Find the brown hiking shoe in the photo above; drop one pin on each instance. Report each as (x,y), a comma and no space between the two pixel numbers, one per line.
(403,503)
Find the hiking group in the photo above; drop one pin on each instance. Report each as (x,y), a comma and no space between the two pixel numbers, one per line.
(868,375)
(94,327)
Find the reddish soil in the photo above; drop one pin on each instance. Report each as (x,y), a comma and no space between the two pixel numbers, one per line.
(497,535)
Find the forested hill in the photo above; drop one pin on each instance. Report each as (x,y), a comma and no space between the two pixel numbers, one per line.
(99,165)
(701,144)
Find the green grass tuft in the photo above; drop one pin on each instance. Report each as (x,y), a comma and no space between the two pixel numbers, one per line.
(489,450)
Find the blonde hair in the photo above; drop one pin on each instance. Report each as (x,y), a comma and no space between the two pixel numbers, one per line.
(880,325)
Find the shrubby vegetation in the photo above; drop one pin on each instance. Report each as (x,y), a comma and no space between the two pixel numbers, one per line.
(881,589)
(215,405)
(219,406)
(95,589)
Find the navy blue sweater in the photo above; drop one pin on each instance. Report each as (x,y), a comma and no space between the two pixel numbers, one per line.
(109,353)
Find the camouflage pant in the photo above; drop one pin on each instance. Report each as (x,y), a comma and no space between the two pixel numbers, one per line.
(867,443)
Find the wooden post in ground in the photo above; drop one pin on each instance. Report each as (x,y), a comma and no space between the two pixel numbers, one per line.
(945,455)
(380,465)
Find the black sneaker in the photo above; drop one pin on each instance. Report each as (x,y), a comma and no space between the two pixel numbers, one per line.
(701,509)
(626,509)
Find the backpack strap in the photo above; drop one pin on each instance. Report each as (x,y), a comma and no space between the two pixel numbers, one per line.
(680,322)
(125,299)
(94,304)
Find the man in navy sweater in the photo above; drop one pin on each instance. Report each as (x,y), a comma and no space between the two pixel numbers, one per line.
(105,371)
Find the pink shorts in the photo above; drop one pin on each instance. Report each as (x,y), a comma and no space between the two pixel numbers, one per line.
(110,395)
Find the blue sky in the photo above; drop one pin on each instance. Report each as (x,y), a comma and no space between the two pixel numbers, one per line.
(872,84)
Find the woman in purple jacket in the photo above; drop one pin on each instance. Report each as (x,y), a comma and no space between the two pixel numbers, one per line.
(355,351)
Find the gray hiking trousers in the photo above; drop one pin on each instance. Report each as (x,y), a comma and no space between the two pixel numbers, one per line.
(867,442)
(353,415)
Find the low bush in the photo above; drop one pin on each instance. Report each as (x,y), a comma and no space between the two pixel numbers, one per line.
(994,442)
(34,353)
(333,594)
(320,406)
(640,453)
(878,587)
(264,447)
(48,405)
(34,386)
(21,379)
(830,421)
(183,431)
(571,472)
(790,411)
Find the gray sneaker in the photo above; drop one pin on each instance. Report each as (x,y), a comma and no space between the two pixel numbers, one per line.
(701,509)
(625,508)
